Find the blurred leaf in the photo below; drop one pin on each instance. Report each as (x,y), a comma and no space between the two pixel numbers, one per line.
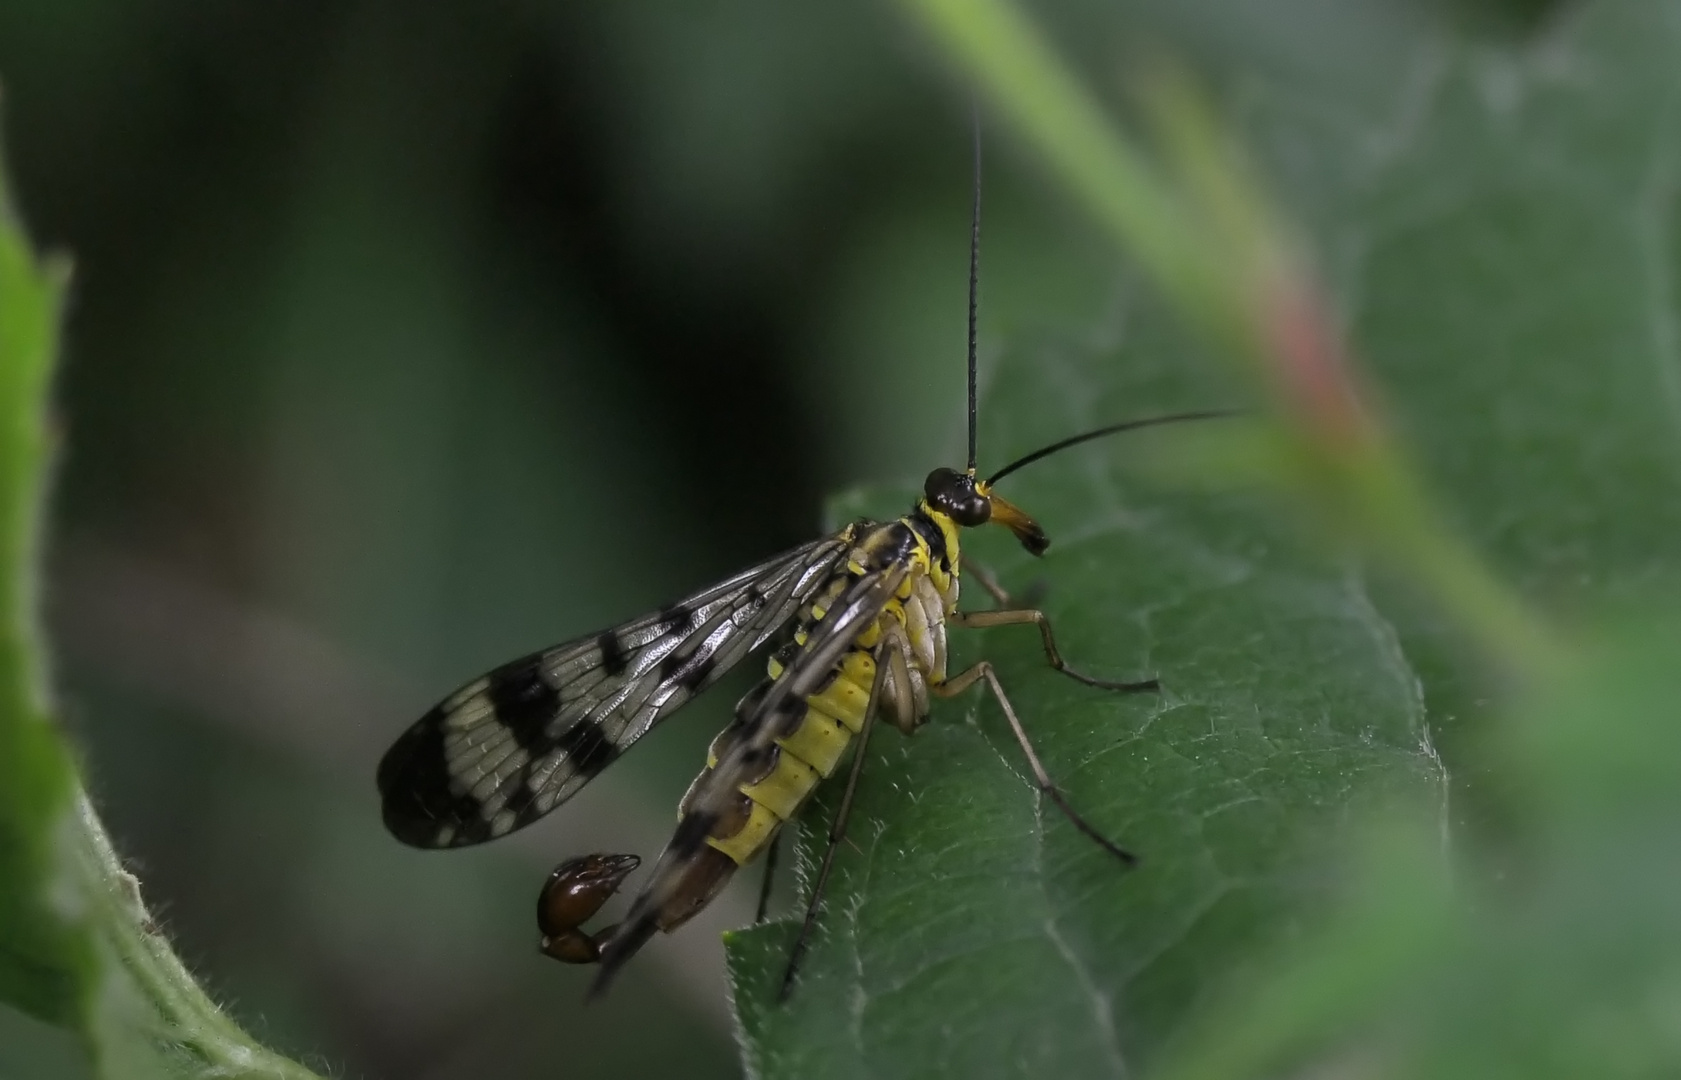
(1567,965)
(77,946)
(1503,239)
(1500,234)
(43,953)
(1198,225)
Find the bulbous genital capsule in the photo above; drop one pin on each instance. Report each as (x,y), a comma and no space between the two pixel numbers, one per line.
(575,891)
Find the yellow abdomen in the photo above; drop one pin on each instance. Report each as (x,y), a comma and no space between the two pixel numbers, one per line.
(811,750)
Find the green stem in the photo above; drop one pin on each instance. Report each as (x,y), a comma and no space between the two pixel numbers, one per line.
(1214,246)
(1406,527)
(1010,61)
(76,928)
(185,1021)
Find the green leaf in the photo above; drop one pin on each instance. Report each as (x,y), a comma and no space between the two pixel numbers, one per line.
(77,945)
(1564,965)
(44,956)
(970,924)
(1516,239)
(1499,230)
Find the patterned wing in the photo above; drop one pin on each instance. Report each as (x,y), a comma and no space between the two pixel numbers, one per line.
(510,746)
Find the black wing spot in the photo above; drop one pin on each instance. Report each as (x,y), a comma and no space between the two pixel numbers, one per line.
(686,668)
(587,748)
(758,762)
(417,793)
(689,671)
(750,702)
(525,704)
(676,619)
(724,741)
(788,717)
(522,800)
(425,778)
(692,832)
(614,659)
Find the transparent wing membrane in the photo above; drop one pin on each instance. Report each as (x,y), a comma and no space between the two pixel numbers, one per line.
(514,744)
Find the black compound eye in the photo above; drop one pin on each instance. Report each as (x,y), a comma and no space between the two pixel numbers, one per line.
(953,494)
(973,510)
(938,488)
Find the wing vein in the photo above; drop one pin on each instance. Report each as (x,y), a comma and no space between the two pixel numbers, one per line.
(512,745)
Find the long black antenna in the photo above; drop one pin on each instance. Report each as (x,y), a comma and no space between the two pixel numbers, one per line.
(1112,429)
(974,277)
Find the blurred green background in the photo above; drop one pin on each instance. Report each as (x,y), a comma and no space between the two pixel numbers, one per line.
(408,338)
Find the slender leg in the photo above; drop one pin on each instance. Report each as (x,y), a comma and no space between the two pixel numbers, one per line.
(770,876)
(986,580)
(983,670)
(981,620)
(837,827)
(1001,597)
